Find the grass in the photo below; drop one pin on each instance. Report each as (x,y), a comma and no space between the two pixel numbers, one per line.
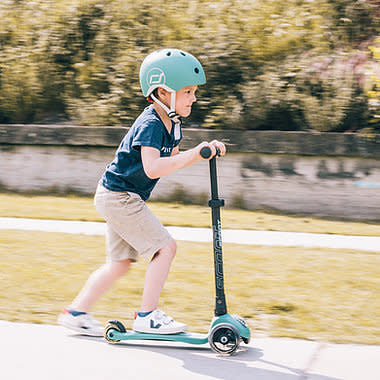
(294,292)
(82,208)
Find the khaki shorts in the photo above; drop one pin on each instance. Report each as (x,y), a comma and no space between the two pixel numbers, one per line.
(132,229)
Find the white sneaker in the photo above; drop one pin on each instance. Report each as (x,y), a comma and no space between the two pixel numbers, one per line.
(83,323)
(157,322)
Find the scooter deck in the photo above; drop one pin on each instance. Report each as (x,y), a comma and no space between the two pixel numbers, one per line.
(193,338)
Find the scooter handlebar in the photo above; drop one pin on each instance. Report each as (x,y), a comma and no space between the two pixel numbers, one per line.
(206,152)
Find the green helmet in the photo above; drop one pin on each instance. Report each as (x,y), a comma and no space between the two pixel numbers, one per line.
(171,69)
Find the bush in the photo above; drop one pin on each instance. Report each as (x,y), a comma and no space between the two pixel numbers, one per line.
(319,92)
(79,59)
(372,85)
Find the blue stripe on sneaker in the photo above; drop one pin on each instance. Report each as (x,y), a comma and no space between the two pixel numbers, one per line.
(75,313)
(144,314)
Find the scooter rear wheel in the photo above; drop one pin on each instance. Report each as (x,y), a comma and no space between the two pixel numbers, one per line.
(224,338)
(113,326)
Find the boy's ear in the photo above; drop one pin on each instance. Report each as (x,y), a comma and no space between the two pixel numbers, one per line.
(162,93)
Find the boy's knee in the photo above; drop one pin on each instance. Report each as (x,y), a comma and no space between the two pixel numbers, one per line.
(173,247)
(119,268)
(169,250)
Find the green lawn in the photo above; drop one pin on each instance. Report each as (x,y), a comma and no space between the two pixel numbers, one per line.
(295,292)
(321,294)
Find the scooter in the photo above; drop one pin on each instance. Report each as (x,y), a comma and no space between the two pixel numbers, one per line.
(226,330)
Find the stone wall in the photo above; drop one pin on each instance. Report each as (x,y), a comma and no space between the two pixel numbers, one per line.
(335,175)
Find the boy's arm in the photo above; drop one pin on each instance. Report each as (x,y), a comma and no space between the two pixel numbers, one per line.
(156,166)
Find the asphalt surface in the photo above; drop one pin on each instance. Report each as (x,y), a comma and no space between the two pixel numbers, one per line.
(44,352)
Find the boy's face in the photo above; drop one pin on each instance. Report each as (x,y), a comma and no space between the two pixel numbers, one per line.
(185,98)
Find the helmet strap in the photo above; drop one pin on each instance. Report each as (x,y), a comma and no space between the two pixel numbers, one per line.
(169,111)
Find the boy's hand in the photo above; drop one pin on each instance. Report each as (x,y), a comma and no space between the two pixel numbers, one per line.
(213,146)
(220,146)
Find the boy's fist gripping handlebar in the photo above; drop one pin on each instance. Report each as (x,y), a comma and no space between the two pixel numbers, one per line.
(206,152)
(209,150)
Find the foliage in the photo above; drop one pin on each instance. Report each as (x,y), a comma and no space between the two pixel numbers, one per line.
(310,92)
(372,85)
(79,60)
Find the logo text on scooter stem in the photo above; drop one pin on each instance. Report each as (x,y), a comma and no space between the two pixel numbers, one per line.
(218,255)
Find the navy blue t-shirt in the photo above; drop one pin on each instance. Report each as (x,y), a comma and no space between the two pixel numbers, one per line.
(126,172)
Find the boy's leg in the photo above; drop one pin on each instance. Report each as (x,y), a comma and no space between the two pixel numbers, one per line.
(129,218)
(156,275)
(76,317)
(119,257)
(150,319)
(99,281)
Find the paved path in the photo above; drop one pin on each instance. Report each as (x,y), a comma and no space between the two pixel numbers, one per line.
(269,238)
(43,352)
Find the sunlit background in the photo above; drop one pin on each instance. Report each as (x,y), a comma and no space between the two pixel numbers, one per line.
(299,66)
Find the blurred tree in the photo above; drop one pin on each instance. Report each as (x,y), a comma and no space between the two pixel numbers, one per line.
(270,65)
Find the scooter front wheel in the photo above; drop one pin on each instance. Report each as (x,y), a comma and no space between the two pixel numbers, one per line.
(224,338)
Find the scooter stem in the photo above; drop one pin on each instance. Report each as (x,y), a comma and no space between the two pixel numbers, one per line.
(215,203)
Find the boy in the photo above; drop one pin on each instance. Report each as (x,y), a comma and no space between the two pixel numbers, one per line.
(169,80)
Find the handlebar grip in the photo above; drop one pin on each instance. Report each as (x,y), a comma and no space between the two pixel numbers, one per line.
(206,152)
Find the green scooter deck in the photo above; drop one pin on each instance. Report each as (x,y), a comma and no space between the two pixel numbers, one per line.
(193,338)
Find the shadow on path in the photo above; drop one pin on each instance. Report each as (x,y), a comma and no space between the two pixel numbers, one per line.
(246,364)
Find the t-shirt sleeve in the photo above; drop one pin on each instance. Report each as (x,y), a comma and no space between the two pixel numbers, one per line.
(148,134)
